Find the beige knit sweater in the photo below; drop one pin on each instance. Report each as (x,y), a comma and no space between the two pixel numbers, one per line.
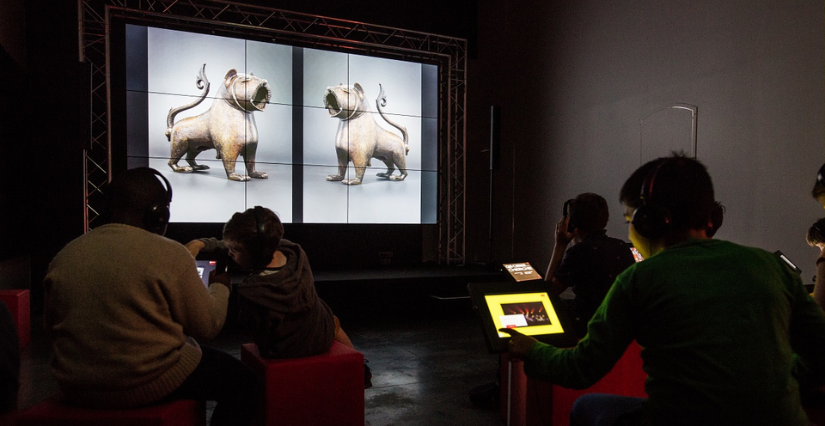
(123,307)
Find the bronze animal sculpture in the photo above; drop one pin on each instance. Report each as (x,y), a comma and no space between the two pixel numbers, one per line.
(360,138)
(228,126)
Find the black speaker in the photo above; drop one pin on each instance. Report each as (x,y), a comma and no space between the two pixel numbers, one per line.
(495,137)
(157,216)
(651,220)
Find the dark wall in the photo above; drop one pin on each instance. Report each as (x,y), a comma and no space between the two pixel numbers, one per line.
(41,169)
(575,78)
(12,113)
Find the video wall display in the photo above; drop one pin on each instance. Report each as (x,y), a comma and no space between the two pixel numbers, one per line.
(317,136)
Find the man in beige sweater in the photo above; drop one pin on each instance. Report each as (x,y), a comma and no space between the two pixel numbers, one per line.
(124,307)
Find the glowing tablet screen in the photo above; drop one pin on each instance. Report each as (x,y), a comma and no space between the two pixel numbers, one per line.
(521,271)
(636,255)
(204,268)
(530,313)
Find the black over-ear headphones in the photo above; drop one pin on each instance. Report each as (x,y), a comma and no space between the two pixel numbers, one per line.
(651,220)
(157,215)
(260,256)
(717,216)
(259,223)
(818,229)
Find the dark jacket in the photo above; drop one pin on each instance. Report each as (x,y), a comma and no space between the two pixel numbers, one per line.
(283,311)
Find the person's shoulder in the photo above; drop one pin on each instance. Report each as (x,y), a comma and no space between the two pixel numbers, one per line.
(290,249)
(285,243)
(734,252)
(729,246)
(93,238)
(288,244)
(617,242)
(151,241)
(618,245)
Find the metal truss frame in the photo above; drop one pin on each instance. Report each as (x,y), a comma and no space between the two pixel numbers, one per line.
(293,28)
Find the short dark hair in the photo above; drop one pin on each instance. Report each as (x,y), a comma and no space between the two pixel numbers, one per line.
(679,184)
(816,233)
(588,212)
(133,192)
(631,192)
(243,229)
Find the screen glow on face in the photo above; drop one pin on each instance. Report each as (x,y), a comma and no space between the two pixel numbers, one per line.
(529,313)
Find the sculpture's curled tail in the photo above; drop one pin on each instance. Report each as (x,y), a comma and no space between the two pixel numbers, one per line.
(203,83)
(382,101)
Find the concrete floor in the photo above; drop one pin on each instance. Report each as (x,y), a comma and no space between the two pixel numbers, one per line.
(423,366)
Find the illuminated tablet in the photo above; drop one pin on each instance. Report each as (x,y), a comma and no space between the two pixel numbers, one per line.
(521,271)
(529,313)
(204,268)
(527,307)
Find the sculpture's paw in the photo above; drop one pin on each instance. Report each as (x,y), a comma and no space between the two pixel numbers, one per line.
(185,169)
(351,182)
(335,178)
(259,175)
(237,177)
(383,175)
(398,178)
(201,167)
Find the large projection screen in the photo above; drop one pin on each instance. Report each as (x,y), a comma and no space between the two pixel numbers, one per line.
(101,43)
(296,132)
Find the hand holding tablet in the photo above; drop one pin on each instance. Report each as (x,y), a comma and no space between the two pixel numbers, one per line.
(519,344)
(511,331)
(220,278)
(220,275)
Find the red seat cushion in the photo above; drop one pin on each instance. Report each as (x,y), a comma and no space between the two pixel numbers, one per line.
(326,389)
(54,412)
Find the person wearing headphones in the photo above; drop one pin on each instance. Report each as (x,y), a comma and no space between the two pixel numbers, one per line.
(125,308)
(592,263)
(815,237)
(818,192)
(724,328)
(277,301)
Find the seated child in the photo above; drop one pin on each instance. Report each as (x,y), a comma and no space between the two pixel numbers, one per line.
(277,301)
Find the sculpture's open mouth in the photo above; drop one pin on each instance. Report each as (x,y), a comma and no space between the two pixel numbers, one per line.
(331,103)
(261,96)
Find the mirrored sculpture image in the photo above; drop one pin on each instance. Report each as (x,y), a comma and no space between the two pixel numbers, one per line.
(228,126)
(359,137)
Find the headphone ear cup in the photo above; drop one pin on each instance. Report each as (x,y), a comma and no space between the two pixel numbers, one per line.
(717,216)
(651,221)
(260,256)
(157,217)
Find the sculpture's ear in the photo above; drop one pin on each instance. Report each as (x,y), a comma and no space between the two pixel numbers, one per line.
(229,76)
(360,90)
